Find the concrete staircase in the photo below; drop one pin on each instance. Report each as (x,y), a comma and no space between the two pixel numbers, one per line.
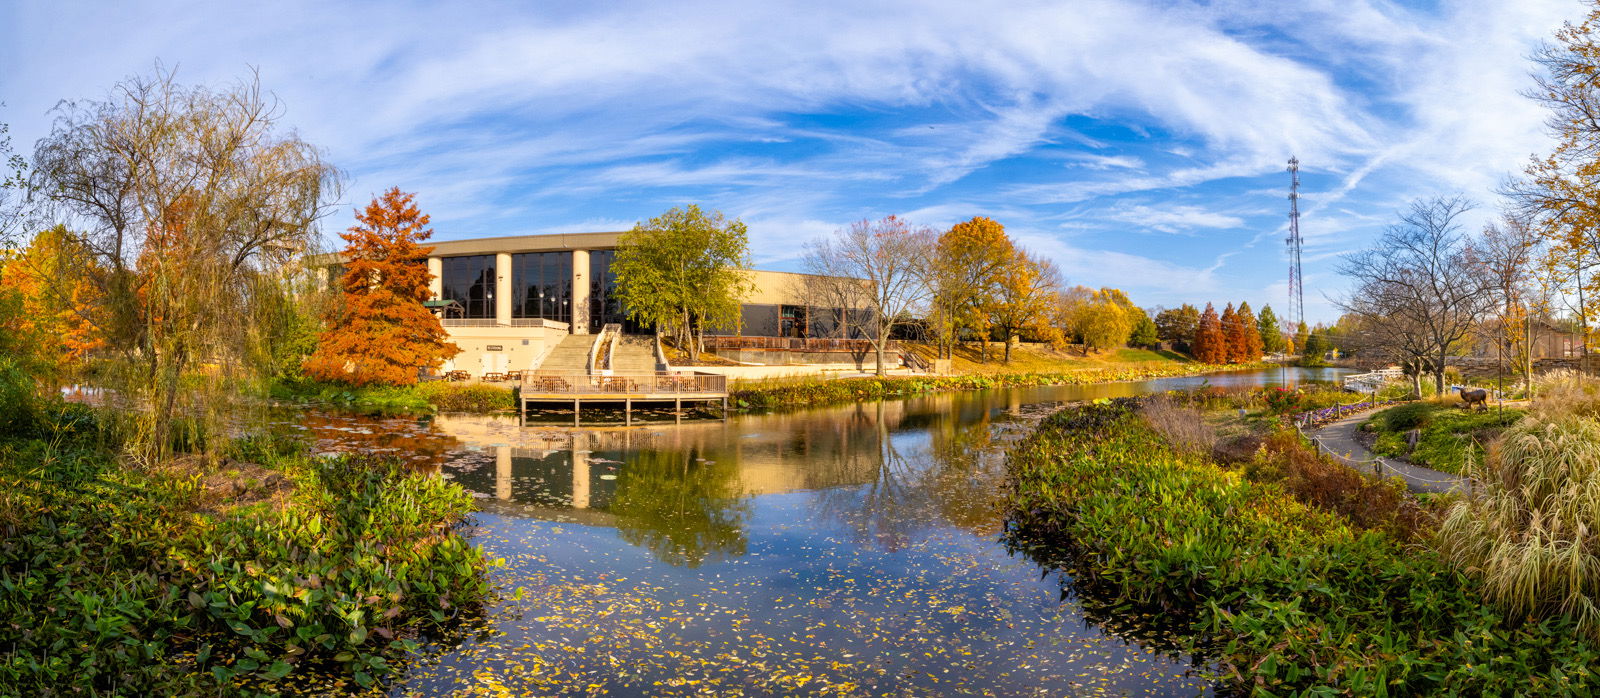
(634,354)
(571,355)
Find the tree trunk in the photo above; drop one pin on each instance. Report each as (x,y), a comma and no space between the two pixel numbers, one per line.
(1008,346)
(1438,376)
(878,347)
(1416,384)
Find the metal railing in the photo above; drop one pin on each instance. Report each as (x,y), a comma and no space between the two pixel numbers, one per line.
(469,322)
(713,343)
(664,384)
(538,322)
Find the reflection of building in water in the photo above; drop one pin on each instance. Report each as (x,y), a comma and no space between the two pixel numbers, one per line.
(884,468)
(772,453)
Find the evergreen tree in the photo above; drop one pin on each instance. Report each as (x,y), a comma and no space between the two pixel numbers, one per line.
(1316,345)
(1177,325)
(1300,335)
(383,334)
(1144,331)
(1272,340)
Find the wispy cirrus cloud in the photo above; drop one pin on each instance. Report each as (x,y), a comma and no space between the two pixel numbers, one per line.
(1068,121)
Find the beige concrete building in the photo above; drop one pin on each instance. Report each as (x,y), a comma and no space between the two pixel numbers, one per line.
(512,300)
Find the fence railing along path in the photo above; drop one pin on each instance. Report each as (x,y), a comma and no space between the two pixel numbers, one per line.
(1338,441)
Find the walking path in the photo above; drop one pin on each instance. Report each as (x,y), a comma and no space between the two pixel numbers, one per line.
(1339,440)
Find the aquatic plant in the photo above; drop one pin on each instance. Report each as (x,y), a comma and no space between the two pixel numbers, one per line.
(133,580)
(1280,596)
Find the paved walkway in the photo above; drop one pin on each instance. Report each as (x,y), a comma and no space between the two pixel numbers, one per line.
(1339,440)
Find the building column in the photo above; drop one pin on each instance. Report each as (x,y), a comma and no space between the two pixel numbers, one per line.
(502,472)
(502,288)
(436,277)
(580,292)
(580,478)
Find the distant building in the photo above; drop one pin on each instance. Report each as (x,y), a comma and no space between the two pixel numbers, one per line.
(1550,341)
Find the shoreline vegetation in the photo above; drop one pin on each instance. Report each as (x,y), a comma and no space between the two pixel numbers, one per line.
(811,391)
(805,392)
(1279,571)
(220,572)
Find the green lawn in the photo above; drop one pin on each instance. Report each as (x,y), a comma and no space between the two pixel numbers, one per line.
(1448,436)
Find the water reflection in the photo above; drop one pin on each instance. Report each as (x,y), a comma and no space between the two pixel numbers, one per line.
(685,509)
(852,547)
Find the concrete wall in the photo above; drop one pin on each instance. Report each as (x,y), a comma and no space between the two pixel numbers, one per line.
(520,348)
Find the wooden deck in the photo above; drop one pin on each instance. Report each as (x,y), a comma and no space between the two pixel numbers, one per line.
(576,388)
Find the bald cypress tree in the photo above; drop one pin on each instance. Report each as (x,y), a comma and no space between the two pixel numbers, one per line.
(1210,346)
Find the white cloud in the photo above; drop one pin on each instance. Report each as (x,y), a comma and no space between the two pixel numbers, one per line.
(1175,219)
(796,116)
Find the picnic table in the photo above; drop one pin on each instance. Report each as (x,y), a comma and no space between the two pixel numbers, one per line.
(494,377)
(551,384)
(457,376)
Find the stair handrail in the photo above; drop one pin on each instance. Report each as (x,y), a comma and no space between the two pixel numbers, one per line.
(614,331)
(610,331)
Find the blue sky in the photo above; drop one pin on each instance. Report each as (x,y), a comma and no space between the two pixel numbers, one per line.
(1139,144)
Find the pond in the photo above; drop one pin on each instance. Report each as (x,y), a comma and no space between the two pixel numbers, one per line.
(849,550)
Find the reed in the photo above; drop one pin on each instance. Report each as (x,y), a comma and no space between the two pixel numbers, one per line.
(1529,533)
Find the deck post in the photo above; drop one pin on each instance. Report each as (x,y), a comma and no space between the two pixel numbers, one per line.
(724,408)
(627,412)
(576,405)
(677,410)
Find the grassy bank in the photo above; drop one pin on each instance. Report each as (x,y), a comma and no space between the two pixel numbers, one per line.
(422,398)
(1448,437)
(967,358)
(1288,581)
(791,392)
(200,577)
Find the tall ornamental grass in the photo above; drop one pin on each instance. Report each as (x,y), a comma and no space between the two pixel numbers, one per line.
(1532,532)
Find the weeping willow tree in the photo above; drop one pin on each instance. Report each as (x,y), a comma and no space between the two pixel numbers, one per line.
(195,207)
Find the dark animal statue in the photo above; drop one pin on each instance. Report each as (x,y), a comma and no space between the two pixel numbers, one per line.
(1473,396)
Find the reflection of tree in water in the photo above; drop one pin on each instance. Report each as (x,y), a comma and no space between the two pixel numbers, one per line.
(410,439)
(953,479)
(685,510)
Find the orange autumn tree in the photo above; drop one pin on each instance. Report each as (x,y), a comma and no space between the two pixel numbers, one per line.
(1210,346)
(1246,344)
(383,334)
(56,307)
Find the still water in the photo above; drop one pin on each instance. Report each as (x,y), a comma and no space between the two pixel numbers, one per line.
(837,551)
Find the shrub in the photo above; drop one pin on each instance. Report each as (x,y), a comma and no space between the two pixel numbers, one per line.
(1182,427)
(1406,417)
(422,398)
(18,406)
(1283,400)
(467,397)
